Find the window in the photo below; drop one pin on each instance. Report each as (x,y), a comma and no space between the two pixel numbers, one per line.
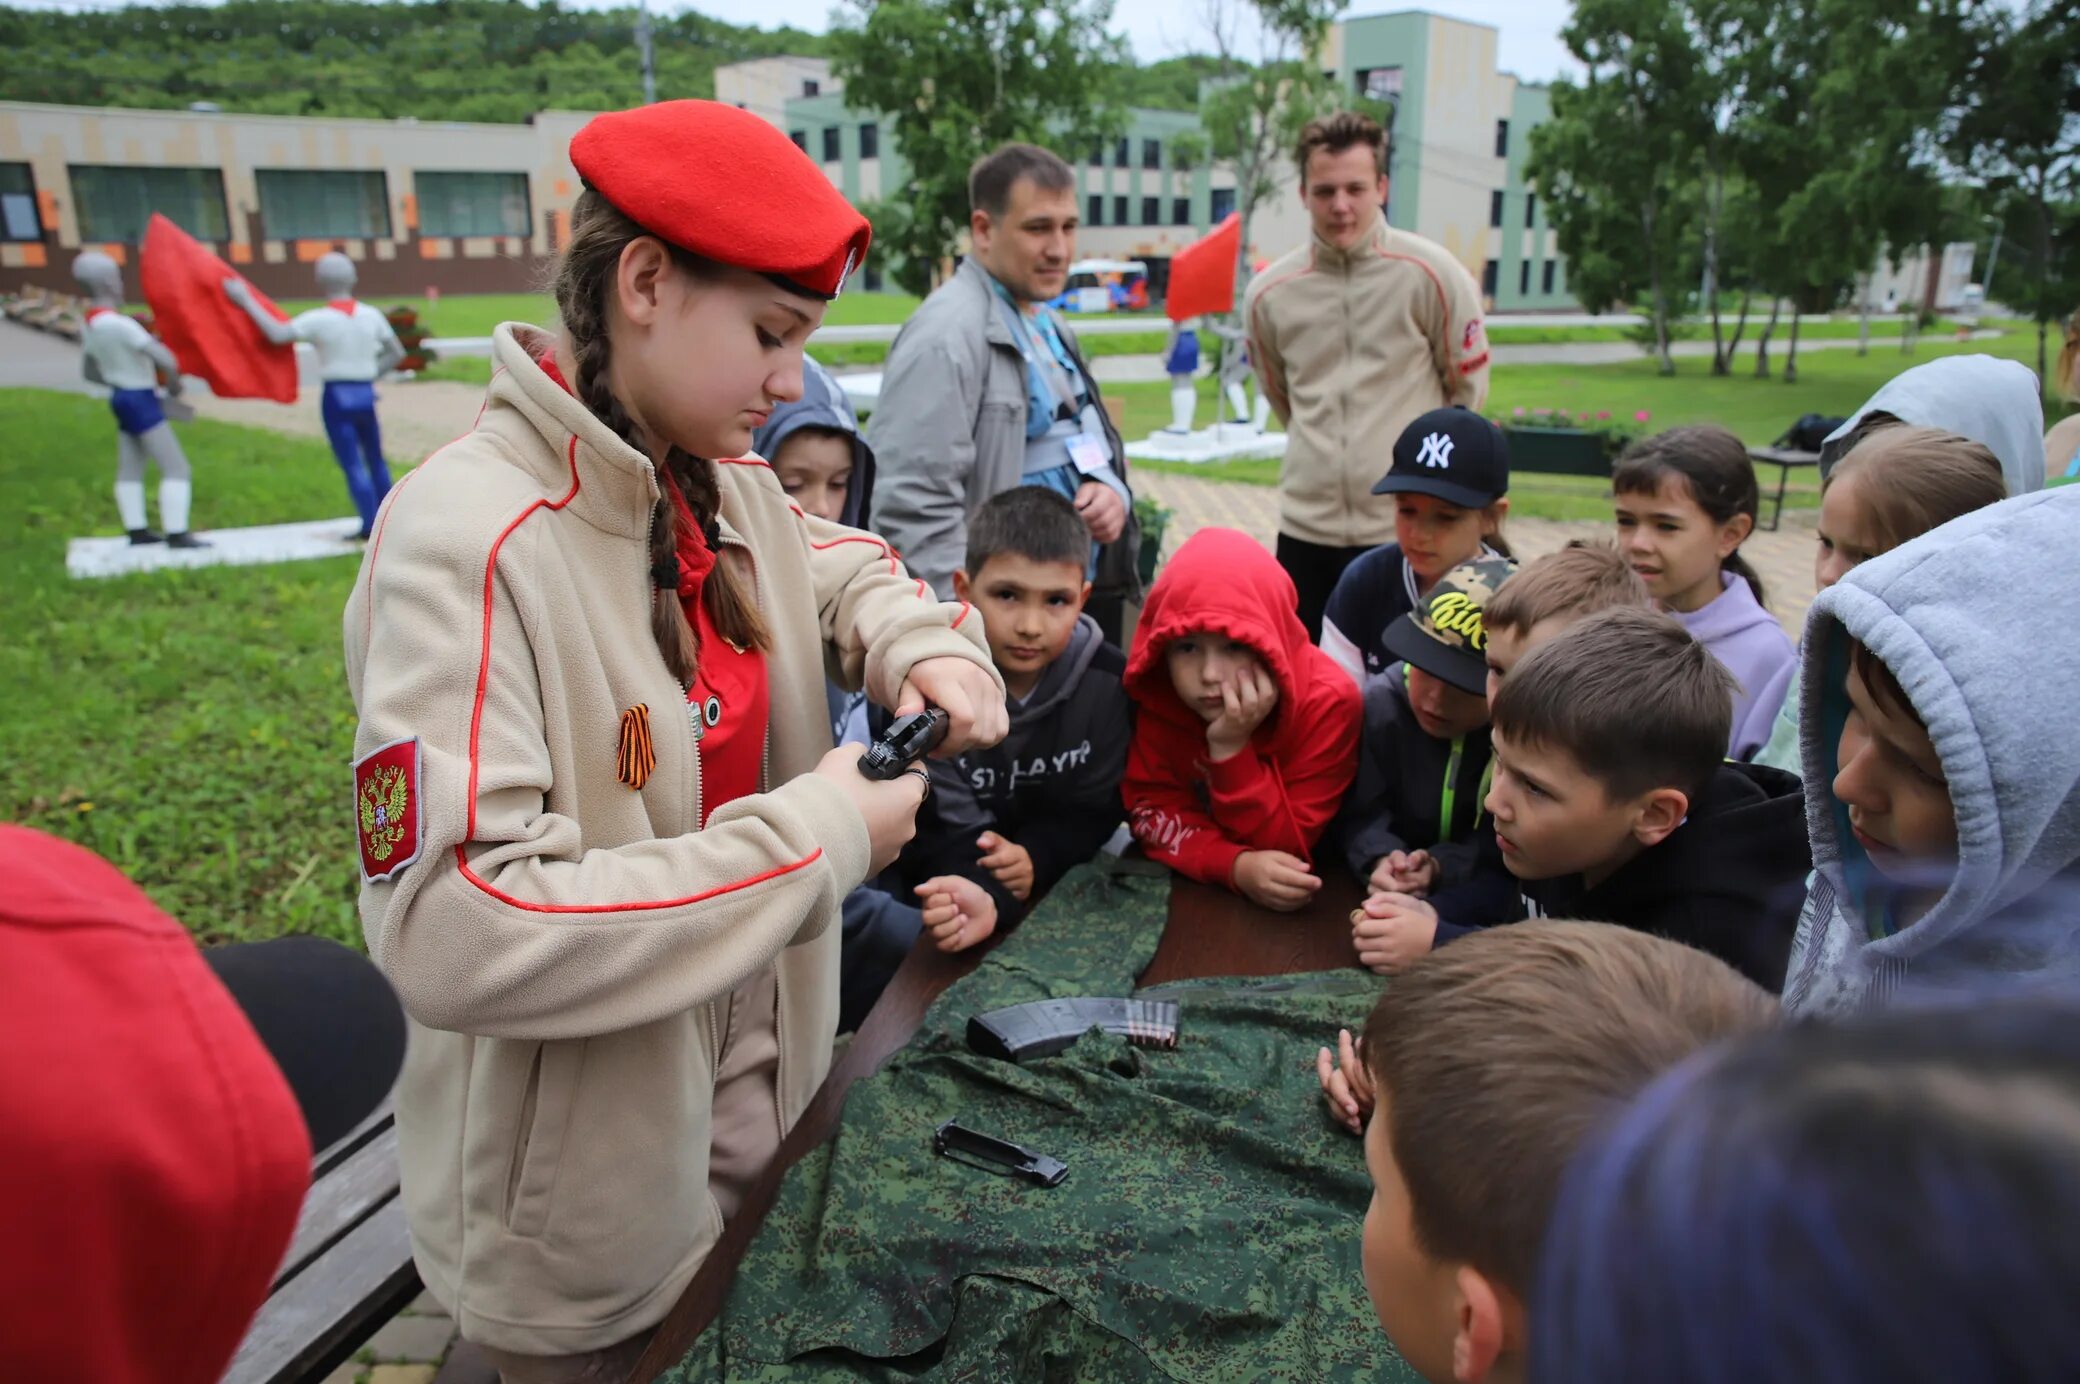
(1181,211)
(1502,139)
(1097,158)
(1119,211)
(1524,279)
(1379,83)
(870,280)
(1094,210)
(114,203)
(1495,209)
(1551,267)
(471,203)
(1120,156)
(310,204)
(1220,204)
(1491,273)
(18,218)
(1151,211)
(1530,209)
(811,87)
(1151,153)
(830,144)
(800,138)
(870,141)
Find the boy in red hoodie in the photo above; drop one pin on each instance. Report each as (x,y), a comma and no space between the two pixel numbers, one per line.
(1247,735)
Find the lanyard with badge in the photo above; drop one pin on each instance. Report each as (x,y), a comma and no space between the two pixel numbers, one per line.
(1054,371)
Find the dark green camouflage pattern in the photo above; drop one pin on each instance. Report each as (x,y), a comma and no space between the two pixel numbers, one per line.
(1208,1230)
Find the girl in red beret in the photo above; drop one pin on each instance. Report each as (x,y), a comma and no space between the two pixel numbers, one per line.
(604,836)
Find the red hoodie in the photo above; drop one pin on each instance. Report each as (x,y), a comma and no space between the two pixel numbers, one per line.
(1279,793)
(152,1156)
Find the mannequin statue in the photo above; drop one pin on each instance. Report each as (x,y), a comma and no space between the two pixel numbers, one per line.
(355,347)
(1235,368)
(119,353)
(1181,363)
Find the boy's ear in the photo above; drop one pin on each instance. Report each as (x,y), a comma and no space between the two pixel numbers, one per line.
(1083,598)
(1491,1322)
(1495,513)
(1658,813)
(962,590)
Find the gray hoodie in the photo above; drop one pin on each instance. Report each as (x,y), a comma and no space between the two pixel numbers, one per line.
(1977,620)
(1984,398)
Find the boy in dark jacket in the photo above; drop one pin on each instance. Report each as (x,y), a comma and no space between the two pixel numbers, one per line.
(1613,802)
(1017,816)
(1248,734)
(1411,820)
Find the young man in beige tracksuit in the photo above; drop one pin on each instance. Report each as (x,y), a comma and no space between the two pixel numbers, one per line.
(1353,335)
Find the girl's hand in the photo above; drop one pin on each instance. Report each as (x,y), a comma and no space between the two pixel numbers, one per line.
(888,808)
(958,912)
(1245,702)
(966,692)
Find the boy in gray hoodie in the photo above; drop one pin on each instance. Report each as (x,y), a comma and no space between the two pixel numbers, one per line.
(1942,792)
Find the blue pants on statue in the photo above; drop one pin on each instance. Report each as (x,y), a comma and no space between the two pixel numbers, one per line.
(357,443)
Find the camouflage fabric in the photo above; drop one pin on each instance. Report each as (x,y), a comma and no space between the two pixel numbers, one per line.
(1208,1230)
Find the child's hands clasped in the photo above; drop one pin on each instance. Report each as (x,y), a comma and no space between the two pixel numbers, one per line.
(1246,700)
(1275,880)
(958,912)
(1346,1085)
(1391,931)
(1404,872)
(1009,862)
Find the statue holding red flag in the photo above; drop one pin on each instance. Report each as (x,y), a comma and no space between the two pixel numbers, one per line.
(355,347)
(118,352)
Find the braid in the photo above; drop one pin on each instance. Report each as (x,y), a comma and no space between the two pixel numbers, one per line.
(599,234)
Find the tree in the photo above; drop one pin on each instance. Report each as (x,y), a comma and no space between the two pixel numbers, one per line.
(1616,163)
(1266,84)
(957,78)
(2016,127)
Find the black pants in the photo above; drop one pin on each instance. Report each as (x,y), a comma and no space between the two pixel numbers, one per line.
(1314,569)
(1111,614)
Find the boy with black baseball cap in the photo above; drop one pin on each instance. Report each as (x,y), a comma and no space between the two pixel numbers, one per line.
(1410,821)
(1450,478)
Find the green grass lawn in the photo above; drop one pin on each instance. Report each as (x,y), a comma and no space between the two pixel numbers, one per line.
(193,727)
(475,314)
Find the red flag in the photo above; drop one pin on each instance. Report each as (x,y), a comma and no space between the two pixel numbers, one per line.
(1202,275)
(211,336)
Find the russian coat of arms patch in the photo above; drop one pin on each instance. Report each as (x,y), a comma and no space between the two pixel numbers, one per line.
(386,808)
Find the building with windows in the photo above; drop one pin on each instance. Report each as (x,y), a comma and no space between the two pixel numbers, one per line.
(457,207)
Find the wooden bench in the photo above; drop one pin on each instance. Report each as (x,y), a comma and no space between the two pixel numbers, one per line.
(349,1267)
(1785,459)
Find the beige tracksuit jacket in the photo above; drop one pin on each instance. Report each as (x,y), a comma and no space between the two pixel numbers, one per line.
(561,941)
(1350,347)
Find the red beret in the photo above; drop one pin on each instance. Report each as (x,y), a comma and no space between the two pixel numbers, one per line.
(725,185)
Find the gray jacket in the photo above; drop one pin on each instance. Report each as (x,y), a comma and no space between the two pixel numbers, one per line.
(1975,619)
(950,431)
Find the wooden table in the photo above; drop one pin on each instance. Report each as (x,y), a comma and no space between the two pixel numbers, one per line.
(1209,932)
(1784,459)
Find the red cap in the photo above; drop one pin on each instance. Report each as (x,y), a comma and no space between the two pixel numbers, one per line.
(723,184)
(154,1157)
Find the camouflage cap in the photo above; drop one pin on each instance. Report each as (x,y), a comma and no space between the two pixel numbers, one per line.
(1446,635)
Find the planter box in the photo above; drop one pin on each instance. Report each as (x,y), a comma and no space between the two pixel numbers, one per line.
(1558,451)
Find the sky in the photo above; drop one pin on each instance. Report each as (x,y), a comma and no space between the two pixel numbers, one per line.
(1529,45)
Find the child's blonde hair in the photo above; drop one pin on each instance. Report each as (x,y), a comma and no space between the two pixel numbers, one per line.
(1921,479)
(1583,578)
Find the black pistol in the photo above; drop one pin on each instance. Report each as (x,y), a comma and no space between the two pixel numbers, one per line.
(910,739)
(1022,1032)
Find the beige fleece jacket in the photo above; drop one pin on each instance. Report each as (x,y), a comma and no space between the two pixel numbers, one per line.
(562,940)
(1351,347)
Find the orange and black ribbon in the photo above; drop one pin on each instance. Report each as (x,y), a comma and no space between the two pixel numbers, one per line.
(637,758)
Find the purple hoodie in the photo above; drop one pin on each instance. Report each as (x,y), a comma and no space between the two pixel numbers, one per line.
(1755,649)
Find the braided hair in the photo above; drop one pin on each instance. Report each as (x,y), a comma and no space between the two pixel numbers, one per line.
(584,279)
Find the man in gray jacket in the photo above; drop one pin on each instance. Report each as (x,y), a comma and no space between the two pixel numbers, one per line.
(985,390)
